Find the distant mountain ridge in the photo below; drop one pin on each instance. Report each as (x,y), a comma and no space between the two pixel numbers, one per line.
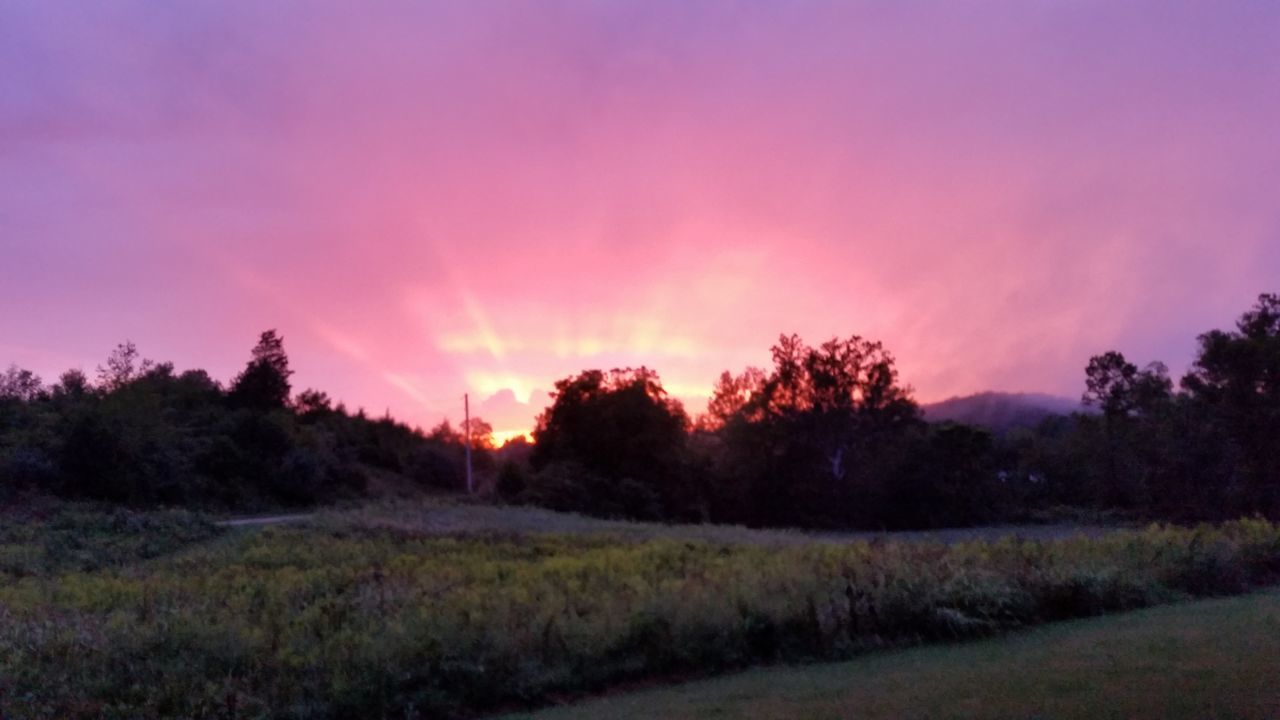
(1001,411)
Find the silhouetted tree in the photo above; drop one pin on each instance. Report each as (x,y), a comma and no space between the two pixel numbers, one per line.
(731,398)
(21,385)
(621,439)
(124,364)
(1128,457)
(1236,378)
(826,437)
(1120,389)
(809,442)
(313,404)
(148,434)
(73,384)
(481,434)
(264,383)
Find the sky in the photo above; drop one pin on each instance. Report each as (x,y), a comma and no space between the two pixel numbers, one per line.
(436,198)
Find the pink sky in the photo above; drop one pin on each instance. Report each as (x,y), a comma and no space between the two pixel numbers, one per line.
(428,199)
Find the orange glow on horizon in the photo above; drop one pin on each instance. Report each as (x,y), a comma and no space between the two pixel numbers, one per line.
(500,437)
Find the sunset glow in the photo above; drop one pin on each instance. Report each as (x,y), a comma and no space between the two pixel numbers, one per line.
(432,199)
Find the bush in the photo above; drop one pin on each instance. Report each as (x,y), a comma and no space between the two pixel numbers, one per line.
(145,436)
(430,467)
(25,469)
(512,482)
(570,487)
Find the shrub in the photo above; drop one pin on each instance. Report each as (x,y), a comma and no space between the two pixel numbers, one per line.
(511,482)
(570,487)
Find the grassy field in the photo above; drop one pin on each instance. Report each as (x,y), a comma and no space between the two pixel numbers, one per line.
(450,611)
(445,517)
(1195,660)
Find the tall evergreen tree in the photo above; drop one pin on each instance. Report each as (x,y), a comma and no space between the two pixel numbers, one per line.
(264,383)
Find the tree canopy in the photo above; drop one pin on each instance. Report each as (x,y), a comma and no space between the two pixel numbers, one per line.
(144,433)
(264,383)
(623,429)
(827,436)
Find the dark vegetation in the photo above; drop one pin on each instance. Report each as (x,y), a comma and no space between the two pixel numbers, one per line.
(828,437)
(144,434)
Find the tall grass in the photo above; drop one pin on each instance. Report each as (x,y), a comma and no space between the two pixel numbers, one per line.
(340,620)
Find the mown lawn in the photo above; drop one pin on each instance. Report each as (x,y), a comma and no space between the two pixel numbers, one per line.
(1206,659)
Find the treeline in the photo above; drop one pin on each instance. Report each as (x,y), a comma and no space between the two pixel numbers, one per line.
(1206,449)
(829,437)
(826,438)
(143,434)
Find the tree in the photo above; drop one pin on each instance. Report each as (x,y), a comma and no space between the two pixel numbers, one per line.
(72,384)
(1120,389)
(1124,458)
(731,398)
(313,404)
(622,428)
(481,434)
(1236,381)
(807,442)
(949,478)
(264,383)
(442,461)
(124,365)
(19,384)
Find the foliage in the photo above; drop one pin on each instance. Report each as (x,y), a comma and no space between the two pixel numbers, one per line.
(1206,452)
(1236,379)
(19,385)
(346,619)
(146,435)
(264,383)
(1121,389)
(123,366)
(613,444)
(815,441)
(828,437)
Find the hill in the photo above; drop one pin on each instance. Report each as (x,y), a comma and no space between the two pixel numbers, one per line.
(1001,411)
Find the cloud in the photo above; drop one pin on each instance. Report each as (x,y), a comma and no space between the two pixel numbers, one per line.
(430,199)
(510,416)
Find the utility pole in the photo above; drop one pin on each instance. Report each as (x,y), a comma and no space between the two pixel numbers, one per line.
(466,431)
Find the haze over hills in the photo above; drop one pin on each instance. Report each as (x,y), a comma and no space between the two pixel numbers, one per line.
(1001,411)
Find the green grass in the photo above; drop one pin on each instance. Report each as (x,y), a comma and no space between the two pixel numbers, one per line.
(441,611)
(443,516)
(1195,660)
